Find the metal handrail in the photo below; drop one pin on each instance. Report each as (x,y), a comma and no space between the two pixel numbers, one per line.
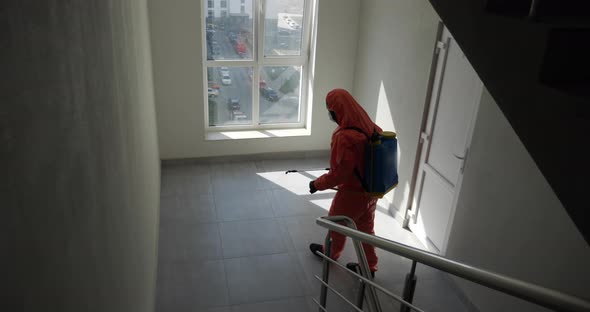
(366,281)
(373,300)
(539,295)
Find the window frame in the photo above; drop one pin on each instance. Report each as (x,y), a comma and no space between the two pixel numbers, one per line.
(258,61)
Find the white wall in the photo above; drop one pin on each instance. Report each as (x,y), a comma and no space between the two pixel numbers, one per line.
(78,149)
(396,41)
(510,221)
(176,38)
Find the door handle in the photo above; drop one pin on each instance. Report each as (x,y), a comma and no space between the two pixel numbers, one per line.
(462,158)
(458,157)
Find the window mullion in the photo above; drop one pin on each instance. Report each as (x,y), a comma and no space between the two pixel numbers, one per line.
(307,24)
(258,55)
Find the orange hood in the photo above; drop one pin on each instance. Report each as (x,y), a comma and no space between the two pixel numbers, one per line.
(349,113)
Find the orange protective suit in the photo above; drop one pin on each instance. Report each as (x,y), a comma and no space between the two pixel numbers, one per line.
(347,153)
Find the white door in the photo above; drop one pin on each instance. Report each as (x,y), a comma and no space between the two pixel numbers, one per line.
(445,144)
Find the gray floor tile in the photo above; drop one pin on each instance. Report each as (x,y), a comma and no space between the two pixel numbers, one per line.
(250,238)
(263,278)
(285,235)
(247,181)
(437,295)
(227,185)
(297,183)
(186,179)
(339,279)
(243,205)
(279,165)
(388,303)
(198,169)
(303,231)
(333,303)
(299,304)
(289,164)
(185,241)
(173,183)
(392,269)
(189,208)
(265,211)
(191,286)
(234,169)
(218,309)
(286,203)
(199,184)
(233,177)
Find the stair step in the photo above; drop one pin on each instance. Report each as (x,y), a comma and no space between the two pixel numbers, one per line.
(566,63)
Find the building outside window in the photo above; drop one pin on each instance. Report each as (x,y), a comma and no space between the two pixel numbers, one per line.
(257,65)
(223,4)
(210,4)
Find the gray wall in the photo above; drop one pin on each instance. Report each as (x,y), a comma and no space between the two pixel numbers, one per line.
(510,221)
(79,156)
(178,77)
(396,41)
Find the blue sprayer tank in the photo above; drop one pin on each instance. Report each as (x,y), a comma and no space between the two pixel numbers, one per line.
(380,174)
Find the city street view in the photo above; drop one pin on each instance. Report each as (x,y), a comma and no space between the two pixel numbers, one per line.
(230,88)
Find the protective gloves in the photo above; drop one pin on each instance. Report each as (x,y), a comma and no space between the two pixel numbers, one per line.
(312,188)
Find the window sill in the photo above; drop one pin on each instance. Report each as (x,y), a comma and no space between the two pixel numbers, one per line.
(255,134)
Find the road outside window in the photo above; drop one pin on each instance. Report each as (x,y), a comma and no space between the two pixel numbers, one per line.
(256,65)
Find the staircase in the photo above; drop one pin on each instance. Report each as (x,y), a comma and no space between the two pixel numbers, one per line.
(534,58)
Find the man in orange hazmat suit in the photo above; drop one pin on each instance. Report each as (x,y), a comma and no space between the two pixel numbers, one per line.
(346,156)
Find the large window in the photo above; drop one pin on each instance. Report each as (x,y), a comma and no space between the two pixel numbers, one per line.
(256,64)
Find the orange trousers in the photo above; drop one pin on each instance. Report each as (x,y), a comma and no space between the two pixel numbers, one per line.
(361,209)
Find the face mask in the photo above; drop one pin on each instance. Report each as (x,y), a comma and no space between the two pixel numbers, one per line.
(332,116)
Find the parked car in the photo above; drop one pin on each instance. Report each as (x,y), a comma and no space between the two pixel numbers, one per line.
(290,100)
(238,116)
(269,93)
(232,37)
(233,104)
(226,80)
(224,71)
(213,85)
(210,34)
(213,92)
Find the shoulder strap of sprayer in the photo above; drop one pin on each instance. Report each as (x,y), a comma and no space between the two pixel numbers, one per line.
(369,139)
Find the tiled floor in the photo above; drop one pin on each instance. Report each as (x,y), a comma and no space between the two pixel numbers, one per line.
(234,237)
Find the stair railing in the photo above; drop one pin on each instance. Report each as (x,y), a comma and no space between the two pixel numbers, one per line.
(533,293)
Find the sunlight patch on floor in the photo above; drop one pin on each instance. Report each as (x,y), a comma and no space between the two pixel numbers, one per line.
(297,182)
